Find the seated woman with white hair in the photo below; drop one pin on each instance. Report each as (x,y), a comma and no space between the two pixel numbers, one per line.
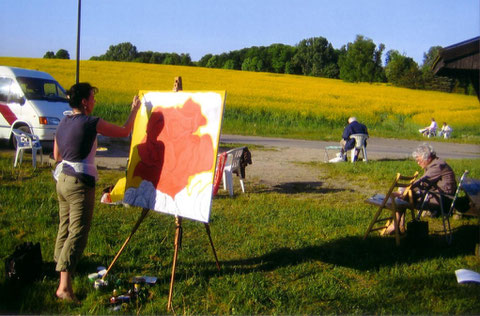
(438,177)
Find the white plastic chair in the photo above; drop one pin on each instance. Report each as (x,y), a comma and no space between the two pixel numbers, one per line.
(359,146)
(232,165)
(27,141)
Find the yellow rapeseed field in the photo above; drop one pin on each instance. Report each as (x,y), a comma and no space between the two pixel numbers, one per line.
(328,98)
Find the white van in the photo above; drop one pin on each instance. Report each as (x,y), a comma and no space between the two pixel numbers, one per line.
(32,101)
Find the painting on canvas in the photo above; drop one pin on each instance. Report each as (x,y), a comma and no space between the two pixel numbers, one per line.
(173,152)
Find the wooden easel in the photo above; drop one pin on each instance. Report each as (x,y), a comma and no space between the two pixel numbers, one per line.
(177,86)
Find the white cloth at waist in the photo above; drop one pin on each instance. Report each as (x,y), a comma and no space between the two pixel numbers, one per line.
(79,167)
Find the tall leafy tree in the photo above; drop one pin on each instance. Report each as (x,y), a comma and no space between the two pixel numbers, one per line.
(157,58)
(62,54)
(121,52)
(229,64)
(185,60)
(172,59)
(430,56)
(279,56)
(49,55)
(316,57)
(249,64)
(429,80)
(402,70)
(361,61)
(213,62)
(204,60)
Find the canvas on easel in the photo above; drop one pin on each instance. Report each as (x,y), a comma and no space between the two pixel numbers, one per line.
(173,152)
(172,160)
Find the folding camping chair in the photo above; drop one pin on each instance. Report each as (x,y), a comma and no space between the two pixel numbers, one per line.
(392,205)
(443,201)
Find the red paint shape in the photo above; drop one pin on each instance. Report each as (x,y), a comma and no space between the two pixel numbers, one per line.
(170,153)
(221,160)
(9,116)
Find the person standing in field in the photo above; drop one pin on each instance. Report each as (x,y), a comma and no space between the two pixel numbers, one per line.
(347,143)
(75,147)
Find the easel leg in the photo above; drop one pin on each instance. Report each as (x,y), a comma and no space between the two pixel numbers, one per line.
(139,221)
(207,227)
(396,223)
(178,242)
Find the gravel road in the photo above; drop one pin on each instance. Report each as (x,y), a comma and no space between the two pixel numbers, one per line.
(276,161)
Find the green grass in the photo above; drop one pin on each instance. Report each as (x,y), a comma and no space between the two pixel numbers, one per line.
(291,124)
(282,251)
(277,123)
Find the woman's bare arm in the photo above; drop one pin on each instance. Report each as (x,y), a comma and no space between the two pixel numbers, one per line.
(112,130)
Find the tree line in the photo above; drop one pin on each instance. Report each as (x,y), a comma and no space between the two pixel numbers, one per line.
(357,61)
(61,54)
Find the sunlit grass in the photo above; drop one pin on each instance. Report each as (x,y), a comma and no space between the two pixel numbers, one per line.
(298,252)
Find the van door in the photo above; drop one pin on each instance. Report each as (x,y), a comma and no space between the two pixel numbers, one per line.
(7,114)
(11,105)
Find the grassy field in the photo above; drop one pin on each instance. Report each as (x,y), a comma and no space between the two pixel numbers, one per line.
(276,105)
(282,252)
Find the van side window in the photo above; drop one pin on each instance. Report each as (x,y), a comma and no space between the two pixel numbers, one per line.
(5,84)
(50,88)
(15,93)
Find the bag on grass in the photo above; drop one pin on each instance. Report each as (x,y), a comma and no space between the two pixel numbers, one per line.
(25,264)
(417,230)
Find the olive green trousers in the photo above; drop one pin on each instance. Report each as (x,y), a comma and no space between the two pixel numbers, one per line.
(76,201)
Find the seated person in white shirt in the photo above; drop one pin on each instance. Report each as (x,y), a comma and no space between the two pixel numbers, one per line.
(430,130)
(445,131)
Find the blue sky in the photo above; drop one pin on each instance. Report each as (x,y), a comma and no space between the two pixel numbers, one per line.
(29,28)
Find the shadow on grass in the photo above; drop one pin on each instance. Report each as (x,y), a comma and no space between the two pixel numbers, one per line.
(392,159)
(304,187)
(353,252)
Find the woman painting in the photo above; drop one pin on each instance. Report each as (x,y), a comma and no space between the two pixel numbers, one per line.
(75,147)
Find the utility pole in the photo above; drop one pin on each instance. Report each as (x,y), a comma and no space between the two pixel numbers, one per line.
(78,40)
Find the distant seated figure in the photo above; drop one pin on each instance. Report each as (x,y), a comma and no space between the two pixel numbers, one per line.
(430,130)
(347,143)
(438,177)
(445,131)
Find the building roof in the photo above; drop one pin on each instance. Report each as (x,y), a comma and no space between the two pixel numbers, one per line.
(460,60)
(461,56)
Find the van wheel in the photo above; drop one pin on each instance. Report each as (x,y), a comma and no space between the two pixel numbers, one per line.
(23,128)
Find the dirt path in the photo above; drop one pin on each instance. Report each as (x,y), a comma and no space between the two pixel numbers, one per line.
(276,161)
(281,165)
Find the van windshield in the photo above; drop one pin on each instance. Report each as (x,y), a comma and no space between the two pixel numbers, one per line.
(42,89)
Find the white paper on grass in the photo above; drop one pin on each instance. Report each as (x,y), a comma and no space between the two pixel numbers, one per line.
(464,275)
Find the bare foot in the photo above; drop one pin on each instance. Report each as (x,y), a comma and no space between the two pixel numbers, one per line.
(66,296)
(390,230)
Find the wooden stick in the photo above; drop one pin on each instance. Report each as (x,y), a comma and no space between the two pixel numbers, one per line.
(178,242)
(177,84)
(207,227)
(139,221)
